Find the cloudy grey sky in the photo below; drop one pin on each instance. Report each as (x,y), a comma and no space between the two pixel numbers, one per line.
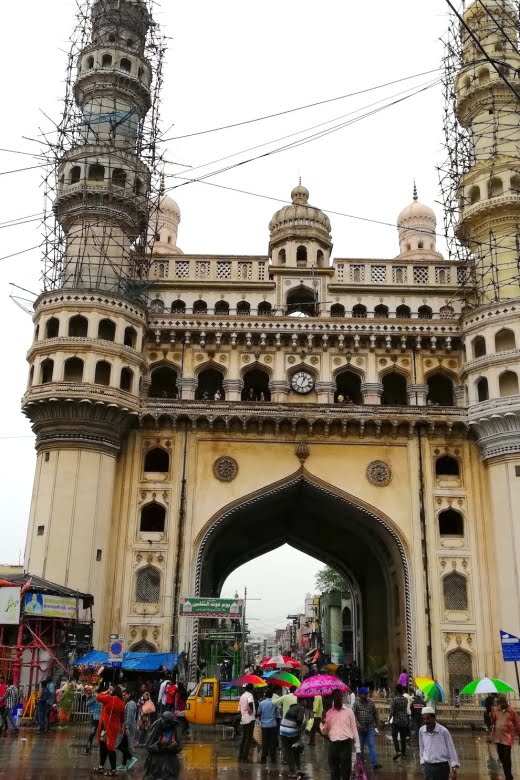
(229,62)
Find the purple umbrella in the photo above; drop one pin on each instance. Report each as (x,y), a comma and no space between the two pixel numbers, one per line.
(320,685)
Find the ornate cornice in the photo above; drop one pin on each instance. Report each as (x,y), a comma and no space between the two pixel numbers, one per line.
(82,299)
(496,425)
(78,344)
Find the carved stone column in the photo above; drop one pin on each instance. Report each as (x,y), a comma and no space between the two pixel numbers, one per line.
(279,391)
(325,392)
(372,392)
(187,387)
(417,395)
(232,389)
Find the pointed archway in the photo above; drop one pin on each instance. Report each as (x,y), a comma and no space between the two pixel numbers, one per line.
(318,519)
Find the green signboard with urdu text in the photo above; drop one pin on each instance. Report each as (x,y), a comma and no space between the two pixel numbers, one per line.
(211,608)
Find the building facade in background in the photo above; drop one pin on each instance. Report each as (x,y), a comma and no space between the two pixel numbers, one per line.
(195,411)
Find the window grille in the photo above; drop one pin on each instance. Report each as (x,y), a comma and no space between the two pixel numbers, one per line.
(447,311)
(455,588)
(378,274)
(357,273)
(157,305)
(420,274)
(161,269)
(182,269)
(462,275)
(202,269)
(245,270)
(148,586)
(399,274)
(340,273)
(442,275)
(223,269)
(143,647)
(460,670)
(261,272)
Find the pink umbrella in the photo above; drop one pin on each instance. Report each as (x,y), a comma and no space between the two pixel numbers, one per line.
(320,685)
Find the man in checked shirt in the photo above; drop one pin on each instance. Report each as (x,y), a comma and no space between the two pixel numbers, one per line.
(367,719)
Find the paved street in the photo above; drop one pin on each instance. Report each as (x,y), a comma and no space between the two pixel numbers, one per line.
(208,754)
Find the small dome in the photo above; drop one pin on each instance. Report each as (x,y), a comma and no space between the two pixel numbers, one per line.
(170,206)
(415,212)
(416,225)
(300,195)
(300,217)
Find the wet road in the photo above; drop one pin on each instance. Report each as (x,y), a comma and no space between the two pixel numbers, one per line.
(210,754)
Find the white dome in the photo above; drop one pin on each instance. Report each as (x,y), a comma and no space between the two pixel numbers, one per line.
(170,206)
(416,225)
(167,225)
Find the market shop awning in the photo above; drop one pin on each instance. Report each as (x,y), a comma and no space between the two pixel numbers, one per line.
(132,662)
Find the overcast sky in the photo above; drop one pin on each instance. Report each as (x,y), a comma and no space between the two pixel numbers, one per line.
(229,62)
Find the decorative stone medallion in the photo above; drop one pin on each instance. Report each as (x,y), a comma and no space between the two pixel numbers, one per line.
(225,469)
(379,473)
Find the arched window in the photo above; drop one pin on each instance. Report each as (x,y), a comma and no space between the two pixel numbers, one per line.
(381,312)
(265,309)
(78,326)
(178,307)
(107,330)
(119,177)
(157,460)
(515,184)
(256,386)
(125,64)
(337,310)
(52,328)
(281,256)
(96,173)
(106,60)
(90,63)
(102,374)
(157,306)
(319,258)
(130,338)
(75,174)
(460,670)
(143,647)
(483,389)
(359,311)
(424,313)
(163,382)
(301,257)
(160,270)
(126,380)
(447,466)
(301,299)
(46,371)
(138,186)
(221,307)
(153,518)
(403,312)
(399,276)
(474,195)
(73,370)
(495,187)
(394,390)
(209,385)
(420,245)
(508,384)
(440,390)
(356,276)
(148,585)
(479,346)
(442,276)
(451,523)
(243,307)
(348,388)
(483,75)
(455,591)
(505,340)
(200,307)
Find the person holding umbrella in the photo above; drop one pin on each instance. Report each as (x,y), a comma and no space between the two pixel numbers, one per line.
(505,727)
(339,725)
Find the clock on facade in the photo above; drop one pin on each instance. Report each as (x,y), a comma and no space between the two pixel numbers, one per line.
(302,382)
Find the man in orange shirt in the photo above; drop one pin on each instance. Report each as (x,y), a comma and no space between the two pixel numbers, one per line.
(506,726)
(339,725)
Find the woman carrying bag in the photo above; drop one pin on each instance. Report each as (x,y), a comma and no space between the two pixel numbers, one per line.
(109,726)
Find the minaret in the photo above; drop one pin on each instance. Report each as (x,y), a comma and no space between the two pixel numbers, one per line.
(489,224)
(86,359)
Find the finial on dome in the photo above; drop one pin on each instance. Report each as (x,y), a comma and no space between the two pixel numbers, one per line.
(161,186)
(415,196)
(300,195)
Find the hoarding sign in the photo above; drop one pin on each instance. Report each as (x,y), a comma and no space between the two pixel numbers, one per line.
(9,606)
(43,605)
(510,646)
(211,608)
(219,636)
(116,648)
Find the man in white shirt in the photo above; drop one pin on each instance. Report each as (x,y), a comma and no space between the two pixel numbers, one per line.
(437,753)
(247,719)
(162,695)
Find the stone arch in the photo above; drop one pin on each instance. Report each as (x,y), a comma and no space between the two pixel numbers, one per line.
(143,647)
(478,346)
(256,378)
(222,307)
(474,194)
(157,460)
(107,329)
(163,380)
(459,664)
(348,382)
(425,312)
(210,377)
(495,187)
(508,384)
(213,565)
(451,522)
(505,340)
(301,299)
(52,328)
(482,388)
(78,326)
(152,518)
(73,370)
(102,373)
(441,387)
(148,585)
(455,592)
(395,386)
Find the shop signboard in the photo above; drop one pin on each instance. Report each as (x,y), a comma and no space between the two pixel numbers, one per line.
(211,608)
(44,605)
(9,606)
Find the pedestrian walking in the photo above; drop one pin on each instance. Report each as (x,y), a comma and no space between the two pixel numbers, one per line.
(399,720)
(161,698)
(489,703)
(402,680)
(126,741)
(247,721)
(109,726)
(43,707)
(291,729)
(367,719)
(12,697)
(437,753)
(171,696)
(339,725)
(163,747)
(317,712)
(416,719)
(267,716)
(505,727)
(145,709)
(286,701)
(94,709)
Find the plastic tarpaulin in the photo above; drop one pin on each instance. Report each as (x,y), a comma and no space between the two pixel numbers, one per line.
(135,662)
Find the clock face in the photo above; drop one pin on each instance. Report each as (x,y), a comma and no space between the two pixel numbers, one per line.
(302,382)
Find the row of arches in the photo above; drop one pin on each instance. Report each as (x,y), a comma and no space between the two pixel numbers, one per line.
(495,188)
(77,327)
(507,385)
(73,371)
(108,61)
(96,173)
(221,307)
(505,340)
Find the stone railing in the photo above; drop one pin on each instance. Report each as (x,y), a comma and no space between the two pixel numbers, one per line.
(63,391)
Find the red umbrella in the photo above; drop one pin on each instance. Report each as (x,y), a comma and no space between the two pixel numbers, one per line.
(280,662)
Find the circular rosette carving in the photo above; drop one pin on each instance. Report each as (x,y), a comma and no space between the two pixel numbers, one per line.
(225,469)
(379,473)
